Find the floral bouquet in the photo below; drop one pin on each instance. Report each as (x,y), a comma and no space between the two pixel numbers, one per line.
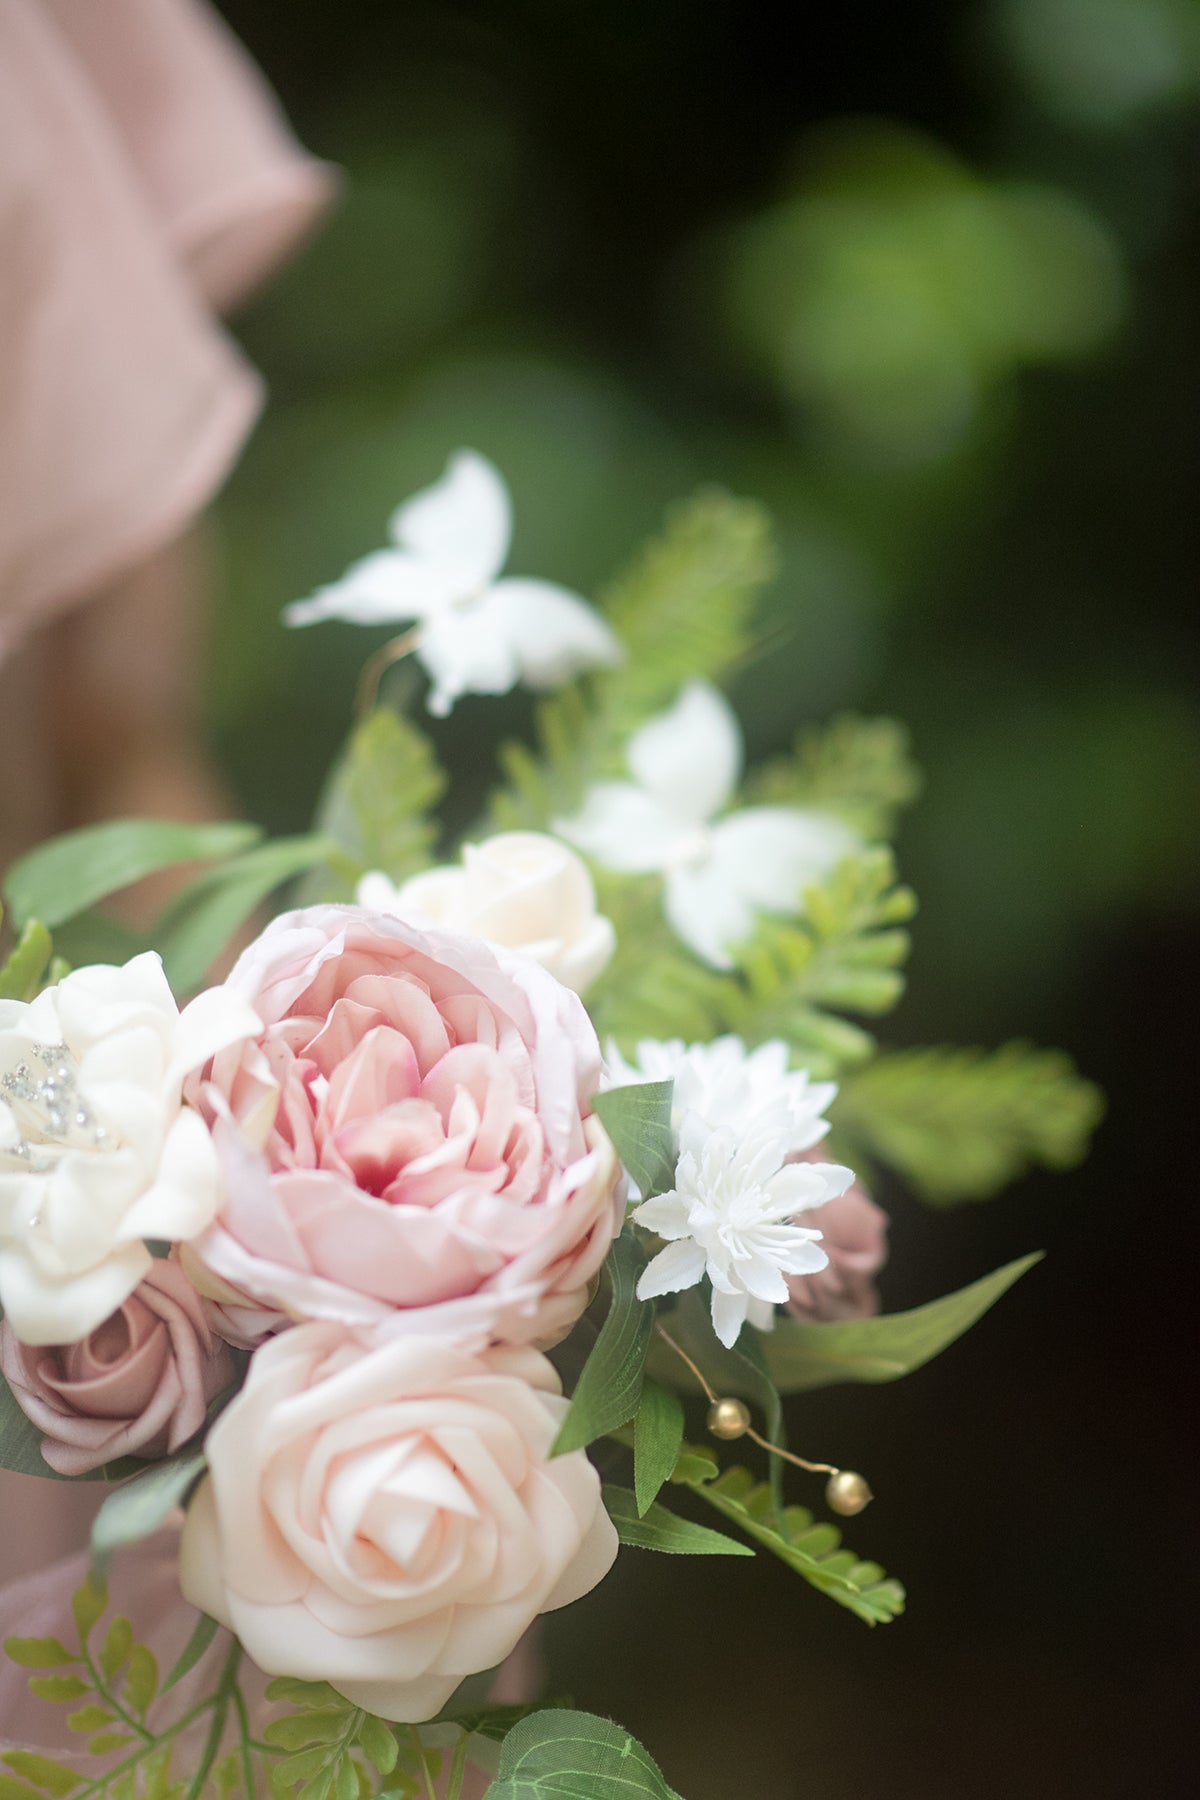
(398,1289)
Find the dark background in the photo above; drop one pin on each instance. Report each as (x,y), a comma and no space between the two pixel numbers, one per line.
(627,249)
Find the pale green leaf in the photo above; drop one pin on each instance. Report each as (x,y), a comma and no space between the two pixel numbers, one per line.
(118,1642)
(89,1602)
(959,1124)
(379,1743)
(69,873)
(42,1772)
(106,1741)
(38,1652)
(380,799)
(89,1718)
(309,1695)
(657,1436)
(607,1392)
(860,769)
(559,1755)
(638,1120)
(21,974)
(321,1726)
(138,1507)
(200,922)
(656,1528)
(802,1356)
(58,1688)
(16,1790)
(141,1680)
(204,1632)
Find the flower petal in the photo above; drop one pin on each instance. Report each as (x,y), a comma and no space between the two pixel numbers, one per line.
(464,521)
(771,853)
(729,1315)
(553,632)
(707,909)
(384,588)
(465,650)
(690,756)
(680,1265)
(623,827)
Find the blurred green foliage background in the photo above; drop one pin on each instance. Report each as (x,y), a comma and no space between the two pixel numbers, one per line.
(923,279)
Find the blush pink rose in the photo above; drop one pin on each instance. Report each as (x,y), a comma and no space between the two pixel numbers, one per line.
(137,1385)
(382,1513)
(408,1135)
(854,1237)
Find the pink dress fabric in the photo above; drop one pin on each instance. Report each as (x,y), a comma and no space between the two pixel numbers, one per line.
(147,180)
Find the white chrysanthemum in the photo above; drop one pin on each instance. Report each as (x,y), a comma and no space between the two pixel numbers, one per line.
(729,1216)
(97,1151)
(522,890)
(732,1087)
(477,635)
(718,872)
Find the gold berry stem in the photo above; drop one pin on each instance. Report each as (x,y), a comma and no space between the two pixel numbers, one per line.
(378,666)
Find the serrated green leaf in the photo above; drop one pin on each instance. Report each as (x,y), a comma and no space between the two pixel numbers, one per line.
(657,1436)
(959,1124)
(118,1642)
(137,1508)
(808,1548)
(804,1356)
(22,971)
(638,1120)
(345,1780)
(90,1718)
(608,1390)
(204,1632)
(379,1743)
(575,1756)
(318,1788)
(307,1694)
(141,1680)
(200,922)
(58,1688)
(106,1741)
(321,1726)
(305,1764)
(380,798)
(89,1602)
(38,1652)
(43,1772)
(658,1529)
(861,769)
(11,1789)
(227,1775)
(69,873)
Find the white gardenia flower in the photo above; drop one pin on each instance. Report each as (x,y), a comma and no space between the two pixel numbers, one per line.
(719,872)
(729,1216)
(477,635)
(520,889)
(731,1087)
(97,1150)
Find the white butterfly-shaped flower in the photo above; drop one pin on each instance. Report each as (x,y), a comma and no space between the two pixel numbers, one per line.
(719,872)
(476,634)
(730,1087)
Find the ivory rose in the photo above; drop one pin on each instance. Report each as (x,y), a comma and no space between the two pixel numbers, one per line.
(409,1135)
(97,1150)
(521,889)
(383,1514)
(137,1385)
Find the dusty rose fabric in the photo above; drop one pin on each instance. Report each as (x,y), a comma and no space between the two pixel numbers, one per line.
(146,176)
(138,1385)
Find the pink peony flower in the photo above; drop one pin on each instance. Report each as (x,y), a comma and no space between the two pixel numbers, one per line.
(412,1136)
(854,1237)
(136,1385)
(381,1513)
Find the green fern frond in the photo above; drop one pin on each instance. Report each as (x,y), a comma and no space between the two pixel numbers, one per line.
(959,1124)
(682,613)
(379,803)
(653,987)
(860,769)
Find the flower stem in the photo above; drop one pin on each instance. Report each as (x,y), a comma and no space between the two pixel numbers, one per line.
(423,1763)
(458,1767)
(212,1743)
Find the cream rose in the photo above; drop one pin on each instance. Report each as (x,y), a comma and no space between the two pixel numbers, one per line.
(97,1150)
(523,890)
(409,1140)
(383,1515)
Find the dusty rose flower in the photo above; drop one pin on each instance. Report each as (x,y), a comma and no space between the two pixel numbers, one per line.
(136,1385)
(854,1237)
(408,1134)
(382,1513)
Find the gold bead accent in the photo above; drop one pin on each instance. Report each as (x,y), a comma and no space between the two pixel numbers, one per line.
(847,1492)
(728,1419)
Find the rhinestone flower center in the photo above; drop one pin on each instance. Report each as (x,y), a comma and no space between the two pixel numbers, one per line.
(42,1095)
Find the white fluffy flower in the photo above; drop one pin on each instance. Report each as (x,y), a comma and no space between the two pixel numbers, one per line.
(522,890)
(718,872)
(729,1216)
(731,1087)
(477,635)
(97,1150)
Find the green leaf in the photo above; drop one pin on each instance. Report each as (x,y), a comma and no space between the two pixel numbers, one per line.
(558,1755)
(69,873)
(321,1726)
(105,1741)
(861,769)
(803,1356)
(657,1435)
(656,1528)
(16,1790)
(118,1642)
(304,1764)
(132,1511)
(742,1370)
(21,973)
(812,1550)
(202,1636)
(58,1687)
(88,1718)
(305,1694)
(89,1602)
(141,1681)
(38,1652)
(42,1772)
(345,1781)
(959,1124)
(495,1722)
(379,802)
(608,1390)
(638,1120)
(379,1743)
(200,921)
